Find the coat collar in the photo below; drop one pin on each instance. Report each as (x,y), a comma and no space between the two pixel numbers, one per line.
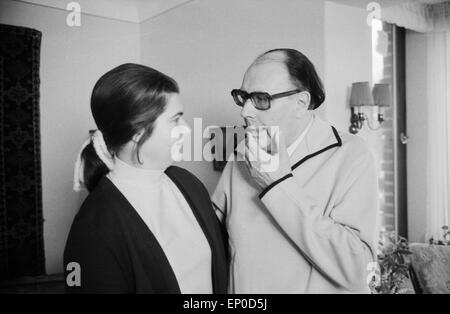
(320,138)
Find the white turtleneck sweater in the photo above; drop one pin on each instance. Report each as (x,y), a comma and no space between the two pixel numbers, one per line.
(167,214)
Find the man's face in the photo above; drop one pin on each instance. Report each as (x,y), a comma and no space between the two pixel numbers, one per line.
(272,77)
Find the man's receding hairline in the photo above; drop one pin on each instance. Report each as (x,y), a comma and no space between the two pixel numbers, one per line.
(274,56)
(271,57)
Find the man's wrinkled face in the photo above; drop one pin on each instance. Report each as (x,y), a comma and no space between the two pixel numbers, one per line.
(272,77)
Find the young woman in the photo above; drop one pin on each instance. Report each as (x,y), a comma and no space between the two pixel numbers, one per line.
(146,226)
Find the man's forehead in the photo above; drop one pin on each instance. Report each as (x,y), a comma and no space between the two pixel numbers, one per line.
(268,76)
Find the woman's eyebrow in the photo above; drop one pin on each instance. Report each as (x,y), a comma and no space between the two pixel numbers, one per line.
(177,114)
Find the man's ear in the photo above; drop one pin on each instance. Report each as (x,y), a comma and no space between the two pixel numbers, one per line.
(303,102)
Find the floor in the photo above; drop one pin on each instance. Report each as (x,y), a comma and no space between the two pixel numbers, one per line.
(47,284)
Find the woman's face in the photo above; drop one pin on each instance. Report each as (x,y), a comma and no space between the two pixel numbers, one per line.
(157,150)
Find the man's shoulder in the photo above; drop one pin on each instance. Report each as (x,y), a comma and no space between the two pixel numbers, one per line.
(354,143)
(355,153)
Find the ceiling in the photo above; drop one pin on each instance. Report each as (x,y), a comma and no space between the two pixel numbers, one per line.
(151,8)
(138,11)
(384,3)
(135,11)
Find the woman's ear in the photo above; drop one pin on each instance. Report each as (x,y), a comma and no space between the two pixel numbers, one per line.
(303,102)
(135,139)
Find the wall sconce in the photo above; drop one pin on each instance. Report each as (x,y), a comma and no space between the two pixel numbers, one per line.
(361,97)
(382,98)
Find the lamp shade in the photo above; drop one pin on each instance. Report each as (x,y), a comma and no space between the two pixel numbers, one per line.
(382,95)
(361,94)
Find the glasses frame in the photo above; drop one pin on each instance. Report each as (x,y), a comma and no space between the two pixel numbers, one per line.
(246,96)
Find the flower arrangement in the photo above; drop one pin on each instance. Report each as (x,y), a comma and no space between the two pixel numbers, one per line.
(393,267)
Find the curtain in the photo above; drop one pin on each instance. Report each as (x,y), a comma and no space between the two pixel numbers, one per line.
(438,150)
(21,221)
(419,16)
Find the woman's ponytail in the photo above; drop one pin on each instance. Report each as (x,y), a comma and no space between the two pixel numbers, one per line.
(93,162)
(93,167)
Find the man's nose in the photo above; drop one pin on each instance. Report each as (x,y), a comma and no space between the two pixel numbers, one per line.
(248,110)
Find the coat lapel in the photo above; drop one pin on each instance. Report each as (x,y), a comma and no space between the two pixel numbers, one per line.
(320,138)
(202,208)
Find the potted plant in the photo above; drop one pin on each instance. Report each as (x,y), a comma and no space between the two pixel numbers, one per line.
(393,266)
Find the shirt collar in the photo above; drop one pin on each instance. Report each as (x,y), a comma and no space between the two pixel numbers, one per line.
(294,145)
(320,138)
(122,171)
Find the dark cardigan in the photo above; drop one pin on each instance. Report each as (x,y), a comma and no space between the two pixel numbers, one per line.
(118,253)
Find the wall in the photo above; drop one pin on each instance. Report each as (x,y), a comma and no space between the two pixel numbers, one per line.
(348,59)
(72,59)
(347,46)
(416,98)
(207,45)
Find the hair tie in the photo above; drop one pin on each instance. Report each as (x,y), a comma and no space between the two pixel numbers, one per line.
(101,149)
(96,137)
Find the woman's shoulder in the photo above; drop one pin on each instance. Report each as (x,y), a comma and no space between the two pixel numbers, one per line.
(97,222)
(101,208)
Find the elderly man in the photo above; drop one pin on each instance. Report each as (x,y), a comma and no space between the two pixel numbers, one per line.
(308,226)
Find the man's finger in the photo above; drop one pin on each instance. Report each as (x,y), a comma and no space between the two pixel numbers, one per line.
(279,141)
(251,147)
(258,153)
(250,151)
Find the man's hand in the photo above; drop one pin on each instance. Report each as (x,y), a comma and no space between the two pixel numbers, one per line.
(268,164)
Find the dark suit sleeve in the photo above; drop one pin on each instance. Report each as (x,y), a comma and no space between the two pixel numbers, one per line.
(100,271)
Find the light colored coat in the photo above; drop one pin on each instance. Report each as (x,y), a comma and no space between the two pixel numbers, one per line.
(313,232)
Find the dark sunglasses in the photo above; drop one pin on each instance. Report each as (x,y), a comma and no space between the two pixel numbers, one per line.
(261,100)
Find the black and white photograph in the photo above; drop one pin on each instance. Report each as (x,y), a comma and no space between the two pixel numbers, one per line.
(225,151)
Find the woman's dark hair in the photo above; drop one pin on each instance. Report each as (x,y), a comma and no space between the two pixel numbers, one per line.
(303,74)
(126,100)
